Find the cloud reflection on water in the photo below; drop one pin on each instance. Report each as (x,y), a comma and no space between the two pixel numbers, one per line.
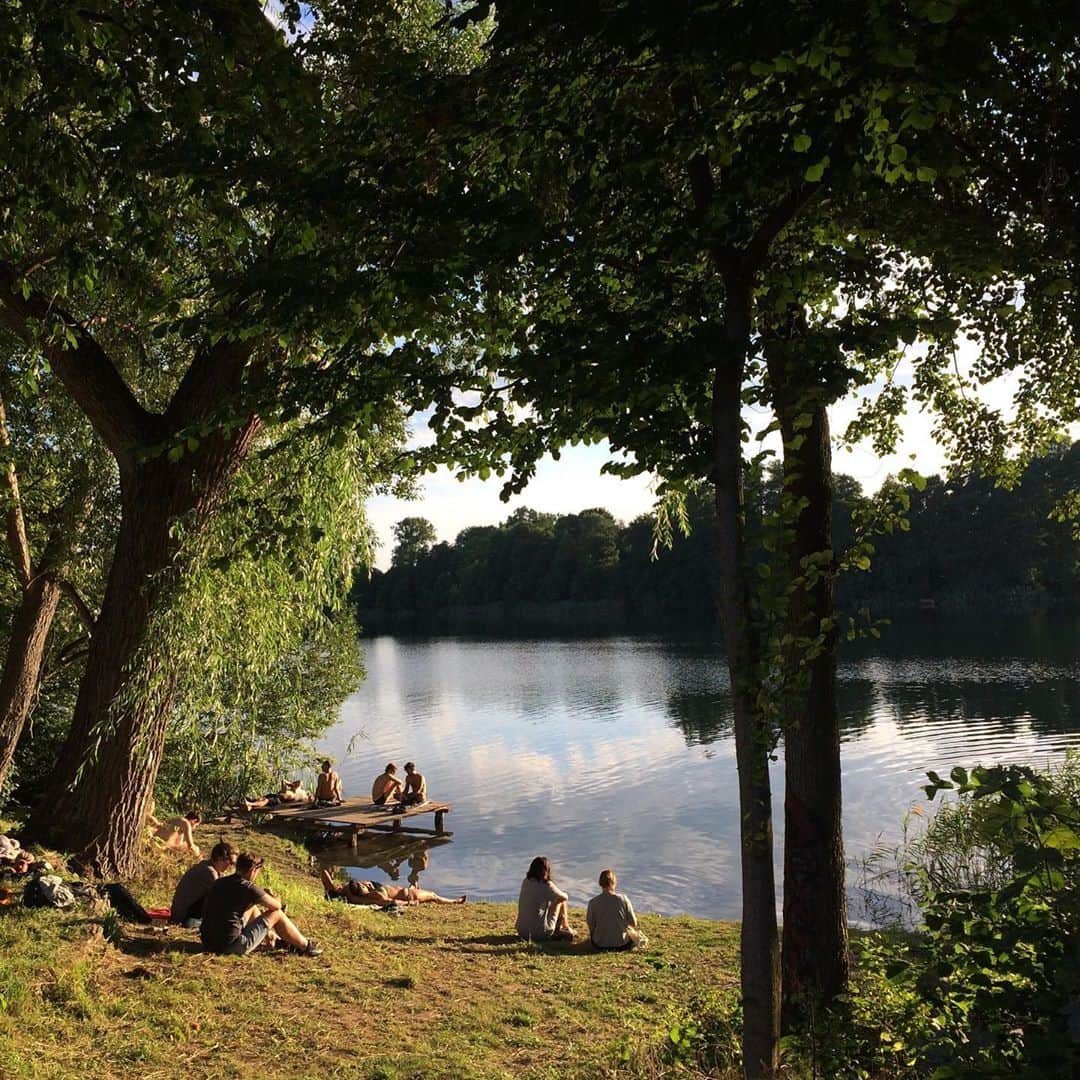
(619,751)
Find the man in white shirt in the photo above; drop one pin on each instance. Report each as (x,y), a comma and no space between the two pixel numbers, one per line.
(611,919)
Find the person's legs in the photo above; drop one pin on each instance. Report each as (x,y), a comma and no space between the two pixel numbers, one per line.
(562,921)
(426,896)
(285,928)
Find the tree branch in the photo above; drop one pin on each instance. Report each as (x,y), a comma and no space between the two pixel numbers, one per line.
(86,371)
(82,608)
(16,523)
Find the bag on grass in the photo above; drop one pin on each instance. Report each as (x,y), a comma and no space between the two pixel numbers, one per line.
(47,890)
(127,907)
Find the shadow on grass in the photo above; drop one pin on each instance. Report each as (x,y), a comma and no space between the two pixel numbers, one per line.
(158,946)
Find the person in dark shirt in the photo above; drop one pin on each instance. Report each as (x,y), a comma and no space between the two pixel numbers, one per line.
(191,889)
(231,923)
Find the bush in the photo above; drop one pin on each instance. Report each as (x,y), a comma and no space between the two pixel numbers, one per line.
(997,965)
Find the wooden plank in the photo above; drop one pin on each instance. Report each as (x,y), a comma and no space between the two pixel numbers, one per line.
(357,812)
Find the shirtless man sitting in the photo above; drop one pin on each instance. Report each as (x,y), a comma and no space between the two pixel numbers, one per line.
(178,833)
(328,788)
(370,892)
(415,792)
(387,786)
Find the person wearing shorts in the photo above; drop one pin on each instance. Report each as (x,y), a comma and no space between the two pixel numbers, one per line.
(232,924)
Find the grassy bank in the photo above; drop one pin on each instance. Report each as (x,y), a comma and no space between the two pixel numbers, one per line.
(438,992)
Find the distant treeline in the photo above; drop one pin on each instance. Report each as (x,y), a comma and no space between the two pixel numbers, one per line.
(971,547)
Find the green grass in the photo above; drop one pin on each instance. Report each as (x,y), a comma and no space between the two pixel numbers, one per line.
(441,992)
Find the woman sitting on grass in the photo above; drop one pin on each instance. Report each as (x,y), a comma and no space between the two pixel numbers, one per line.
(542,906)
(369,892)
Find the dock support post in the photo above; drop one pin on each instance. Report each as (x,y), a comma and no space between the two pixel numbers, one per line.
(439,815)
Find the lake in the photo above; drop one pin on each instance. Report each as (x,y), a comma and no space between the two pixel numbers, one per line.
(618,751)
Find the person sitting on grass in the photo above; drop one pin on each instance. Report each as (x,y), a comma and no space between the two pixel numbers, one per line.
(387,786)
(178,833)
(328,787)
(369,892)
(291,792)
(231,922)
(611,919)
(191,890)
(542,913)
(415,792)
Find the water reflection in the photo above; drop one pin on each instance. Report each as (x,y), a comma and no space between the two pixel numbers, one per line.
(386,854)
(618,752)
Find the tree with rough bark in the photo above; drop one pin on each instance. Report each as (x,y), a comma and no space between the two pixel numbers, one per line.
(173,188)
(670,159)
(45,447)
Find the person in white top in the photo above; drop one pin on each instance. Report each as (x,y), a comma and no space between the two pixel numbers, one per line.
(611,919)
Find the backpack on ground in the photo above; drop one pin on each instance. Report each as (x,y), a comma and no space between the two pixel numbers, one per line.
(127,907)
(47,890)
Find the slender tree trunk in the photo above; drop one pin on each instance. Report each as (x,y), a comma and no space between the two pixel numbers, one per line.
(23,663)
(814,956)
(760,952)
(97,800)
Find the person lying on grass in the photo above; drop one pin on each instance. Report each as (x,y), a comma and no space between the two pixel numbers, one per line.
(369,892)
(291,792)
(231,921)
(611,919)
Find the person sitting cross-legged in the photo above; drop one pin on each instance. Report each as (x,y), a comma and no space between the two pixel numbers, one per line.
(191,890)
(387,786)
(328,786)
(231,922)
(415,792)
(611,919)
(370,892)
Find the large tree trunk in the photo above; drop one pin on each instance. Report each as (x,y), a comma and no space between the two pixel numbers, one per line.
(814,956)
(760,949)
(23,663)
(97,800)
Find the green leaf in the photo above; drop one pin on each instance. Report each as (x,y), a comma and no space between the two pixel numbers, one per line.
(897,154)
(802,143)
(1062,838)
(815,172)
(926,174)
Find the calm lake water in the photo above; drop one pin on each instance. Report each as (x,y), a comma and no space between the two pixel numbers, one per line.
(618,751)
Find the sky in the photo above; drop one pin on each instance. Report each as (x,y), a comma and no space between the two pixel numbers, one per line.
(575,483)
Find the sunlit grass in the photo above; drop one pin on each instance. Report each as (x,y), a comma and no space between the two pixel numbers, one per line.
(439,992)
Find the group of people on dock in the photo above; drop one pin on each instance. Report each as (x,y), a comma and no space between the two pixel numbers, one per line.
(388,790)
(220,895)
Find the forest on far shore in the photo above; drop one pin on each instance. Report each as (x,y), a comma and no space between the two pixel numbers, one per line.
(971,546)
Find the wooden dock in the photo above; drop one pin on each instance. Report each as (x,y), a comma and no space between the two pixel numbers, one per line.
(354,817)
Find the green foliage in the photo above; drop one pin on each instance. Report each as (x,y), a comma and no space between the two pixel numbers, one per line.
(892,550)
(995,971)
(263,656)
